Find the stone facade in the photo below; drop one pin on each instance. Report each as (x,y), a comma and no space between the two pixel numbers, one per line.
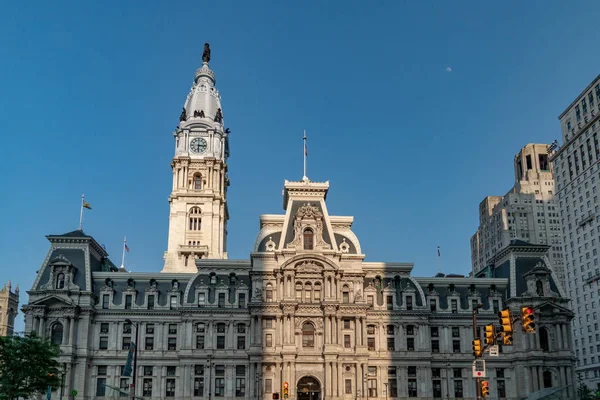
(9,308)
(577,169)
(305,310)
(527,212)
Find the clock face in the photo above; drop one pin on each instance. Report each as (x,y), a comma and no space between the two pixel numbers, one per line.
(198,145)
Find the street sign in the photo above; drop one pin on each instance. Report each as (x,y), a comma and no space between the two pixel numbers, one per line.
(478,368)
(494,351)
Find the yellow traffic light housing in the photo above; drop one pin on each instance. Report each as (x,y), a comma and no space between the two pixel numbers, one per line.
(485,389)
(286,393)
(490,334)
(477,348)
(528,319)
(505,321)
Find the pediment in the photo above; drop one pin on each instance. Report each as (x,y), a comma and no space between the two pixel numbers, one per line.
(552,308)
(51,301)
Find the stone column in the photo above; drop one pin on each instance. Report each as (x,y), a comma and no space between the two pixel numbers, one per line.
(65,336)
(559,344)
(72,324)
(541,377)
(42,327)
(534,374)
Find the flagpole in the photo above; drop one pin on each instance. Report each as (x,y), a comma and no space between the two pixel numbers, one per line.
(439,270)
(304,176)
(123,257)
(81,213)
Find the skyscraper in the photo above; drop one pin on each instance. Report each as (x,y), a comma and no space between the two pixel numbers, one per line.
(576,166)
(528,212)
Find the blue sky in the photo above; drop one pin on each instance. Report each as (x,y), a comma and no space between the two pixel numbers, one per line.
(91,92)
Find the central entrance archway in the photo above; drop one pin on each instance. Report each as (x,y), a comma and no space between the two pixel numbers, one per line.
(309,388)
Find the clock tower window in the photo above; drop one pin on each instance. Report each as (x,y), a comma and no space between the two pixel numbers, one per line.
(197,182)
(308,237)
(195,219)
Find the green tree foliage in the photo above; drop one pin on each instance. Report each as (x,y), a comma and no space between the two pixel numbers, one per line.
(584,393)
(28,366)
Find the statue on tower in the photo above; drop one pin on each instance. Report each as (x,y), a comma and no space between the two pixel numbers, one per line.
(206,54)
(183,115)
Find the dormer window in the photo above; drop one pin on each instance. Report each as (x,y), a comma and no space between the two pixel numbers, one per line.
(60,281)
(539,287)
(308,237)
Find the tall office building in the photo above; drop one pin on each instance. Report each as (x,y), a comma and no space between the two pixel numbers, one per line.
(577,176)
(528,212)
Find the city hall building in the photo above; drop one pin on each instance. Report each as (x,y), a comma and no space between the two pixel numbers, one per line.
(305,316)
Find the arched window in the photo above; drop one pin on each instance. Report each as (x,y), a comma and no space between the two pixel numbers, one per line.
(269,292)
(197,182)
(345,294)
(56,334)
(544,339)
(539,287)
(308,335)
(60,281)
(195,219)
(307,292)
(547,379)
(308,239)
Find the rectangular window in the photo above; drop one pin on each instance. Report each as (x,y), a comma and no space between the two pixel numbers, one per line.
(151,302)
(456,346)
(390,302)
(348,386)
(103,345)
(437,389)
(390,329)
(128,301)
(105,299)
(220,342)
(242,300)
(149,345)
(528,160)
(172,343)
(240,387)
(435,332)
(241,342)
(126,343)
(269,340)
(370,300)
(173,302)
(101,387)
(149,329)
(201,299)
(126,328)
(501,384)
(346,324)
(372,387)
(412,388)
(499,372)
(171,371)
(371,343)
(432,305)
(392,371)
(412,371)
(409,303)
(454,305)
(410,344)
(390,344)
(102,370)
(221,300)
(457,372)
(317,293)
(455,331)
(104,328)
(435,346)
(148,370)
(199,370)
(370,329)
(172,329)
(268,386)
(269,322)
(170,388)
(436,372)
(393,388)
(200,328)
(345,297)
(458,388)
(198,387)
(147,387)
(347,341)
(124,386)
(200,342)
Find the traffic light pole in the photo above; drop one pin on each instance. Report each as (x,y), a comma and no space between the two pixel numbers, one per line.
(477,394)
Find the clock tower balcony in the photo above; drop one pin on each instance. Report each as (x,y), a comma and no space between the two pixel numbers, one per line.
(193,250)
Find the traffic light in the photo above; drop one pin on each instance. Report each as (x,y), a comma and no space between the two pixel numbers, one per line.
(505,320)
(477,349)
(286,393)
(485,389)
(490,334)
(528,319)
(275,396)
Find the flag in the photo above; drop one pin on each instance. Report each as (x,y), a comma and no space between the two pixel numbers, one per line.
(87,205)
(305,148)
(438,251)
(126,248)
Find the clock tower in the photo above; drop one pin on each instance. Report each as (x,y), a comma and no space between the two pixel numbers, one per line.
(198,207)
